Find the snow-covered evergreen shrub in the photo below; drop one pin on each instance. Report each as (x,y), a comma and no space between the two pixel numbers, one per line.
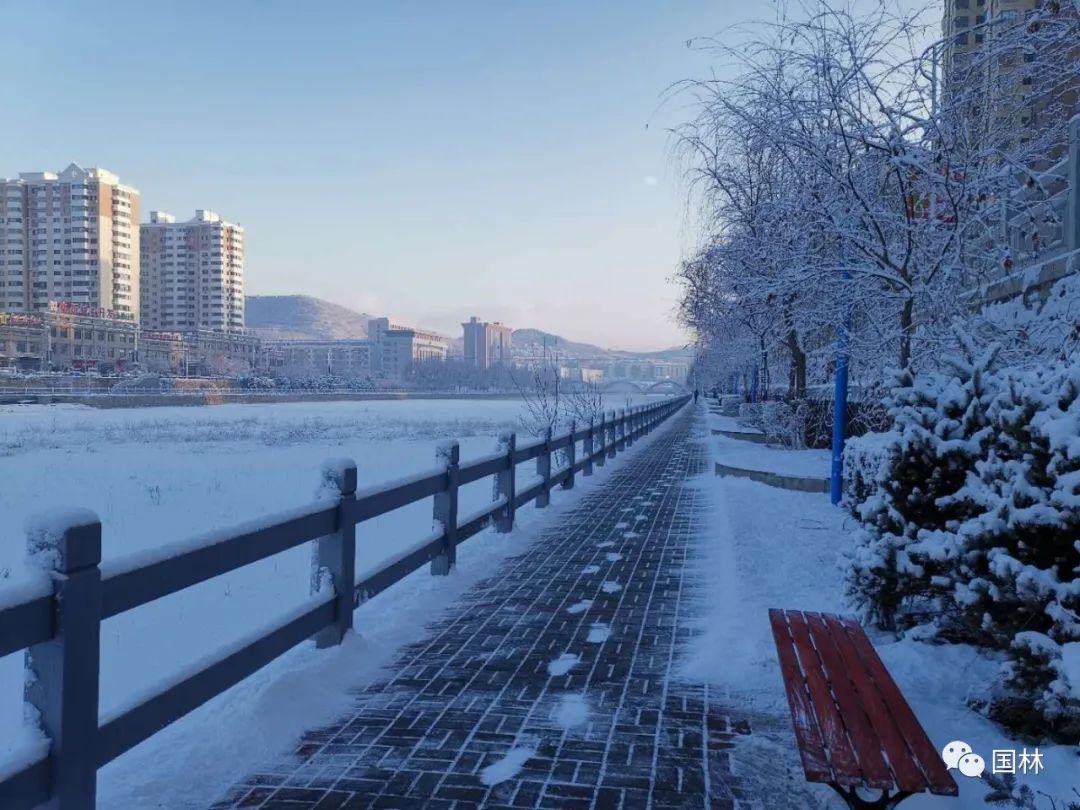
(973,522)
(729,404)
(865,466)
(908,543)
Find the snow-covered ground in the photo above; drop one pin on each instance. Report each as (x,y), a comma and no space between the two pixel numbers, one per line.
(159,475)
(767,547)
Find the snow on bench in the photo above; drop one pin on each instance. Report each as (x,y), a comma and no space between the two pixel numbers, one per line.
(853,727)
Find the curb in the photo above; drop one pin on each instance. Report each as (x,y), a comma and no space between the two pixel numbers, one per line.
(791,482)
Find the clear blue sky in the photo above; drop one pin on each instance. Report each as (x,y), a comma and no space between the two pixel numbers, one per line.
(424,160)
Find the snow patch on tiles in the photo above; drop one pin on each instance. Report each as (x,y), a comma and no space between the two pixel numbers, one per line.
(580,607)
(610,586)
(598,633)
(509,766)
(563,664)
(572,711)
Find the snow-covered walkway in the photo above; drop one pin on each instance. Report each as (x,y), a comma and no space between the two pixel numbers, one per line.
(550,684)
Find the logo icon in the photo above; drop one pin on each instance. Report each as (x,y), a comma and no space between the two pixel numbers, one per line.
(952,752)
(959,755)
(972,765)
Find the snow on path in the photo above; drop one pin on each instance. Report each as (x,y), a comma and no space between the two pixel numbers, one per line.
(573,710)
(508,767)
(563,664)
(598,633)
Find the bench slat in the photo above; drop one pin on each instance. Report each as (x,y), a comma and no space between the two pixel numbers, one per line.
(926,755)
(811,749)
(909,777)
(865,743)
(837,746)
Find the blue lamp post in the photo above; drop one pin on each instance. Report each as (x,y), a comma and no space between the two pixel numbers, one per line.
(840,396)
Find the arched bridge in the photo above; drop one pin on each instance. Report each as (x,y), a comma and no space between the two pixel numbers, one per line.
(643,387)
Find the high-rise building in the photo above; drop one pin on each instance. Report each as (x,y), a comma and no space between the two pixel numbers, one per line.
(487,344)
(71,237)
(1009,93)
(192,273)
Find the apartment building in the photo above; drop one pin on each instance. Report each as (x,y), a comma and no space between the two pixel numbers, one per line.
(1012,91)
(487,344)
(394,348)
(192,273)
(70,236)
(319,359)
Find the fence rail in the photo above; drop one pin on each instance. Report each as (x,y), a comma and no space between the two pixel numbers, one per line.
(60,627)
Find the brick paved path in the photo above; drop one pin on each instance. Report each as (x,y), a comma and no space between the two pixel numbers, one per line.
(608,587)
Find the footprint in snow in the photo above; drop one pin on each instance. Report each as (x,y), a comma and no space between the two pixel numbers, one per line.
(622,525)
(610,586)
(563,664)
(580,607)
(590,569)
(631,535)
(598,633)
(613,557)
(606,544)
(509,766)
(572,711)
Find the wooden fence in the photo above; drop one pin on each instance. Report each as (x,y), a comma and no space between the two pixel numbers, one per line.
(59,627)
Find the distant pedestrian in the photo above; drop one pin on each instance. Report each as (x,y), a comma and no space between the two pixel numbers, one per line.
(696,392)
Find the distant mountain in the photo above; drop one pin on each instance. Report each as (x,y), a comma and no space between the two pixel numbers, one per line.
(301,317)
(532,341)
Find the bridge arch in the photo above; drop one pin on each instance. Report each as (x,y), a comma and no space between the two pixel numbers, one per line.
(666,387)
(620,386)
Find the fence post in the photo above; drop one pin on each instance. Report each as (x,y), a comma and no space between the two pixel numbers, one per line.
(62,674)
(628,427)
(504,483)
(445,510)
(612,427)
(601,455)
(621,440)
(571,456)
(587,448)
(336,553)
(543,469)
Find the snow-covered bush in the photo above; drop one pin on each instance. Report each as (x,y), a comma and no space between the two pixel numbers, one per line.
(750,415)
(972,521)
(782,422)
(908,540)
(865,466)
(729,404)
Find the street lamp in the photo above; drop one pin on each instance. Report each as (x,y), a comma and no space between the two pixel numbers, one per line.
(840,397)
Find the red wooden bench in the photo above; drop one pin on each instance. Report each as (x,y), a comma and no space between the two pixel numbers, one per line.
(854,729)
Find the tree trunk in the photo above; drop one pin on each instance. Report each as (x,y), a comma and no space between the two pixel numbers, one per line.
(763,393)
(798,366)
(907,317)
